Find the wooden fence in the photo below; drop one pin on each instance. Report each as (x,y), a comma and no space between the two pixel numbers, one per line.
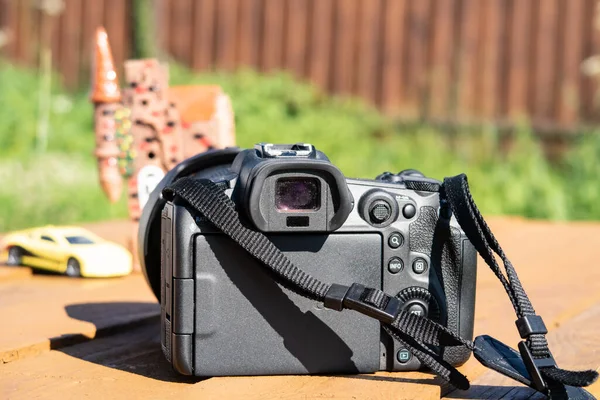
(442,60)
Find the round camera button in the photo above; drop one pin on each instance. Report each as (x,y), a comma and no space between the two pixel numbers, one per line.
(419,266)
(403,356)
(417,309)
(395,240)
(395,265)
(409,211)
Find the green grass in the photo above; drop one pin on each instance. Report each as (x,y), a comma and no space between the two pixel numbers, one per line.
(61,185)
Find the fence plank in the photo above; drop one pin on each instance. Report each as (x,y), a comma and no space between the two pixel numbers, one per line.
(368,50)
(440,59)
(442,56)
(572,45)
(297,36)
(545,60)
(162,19)
(321,42)
(116,24)
(91,20)
(490,70)
(394,42)
(71,39)
(416,70)
(181,26)
(4,21)
(249,32)
(519,58)
(591,34)
(24,37)
(11,26)
(345,46)
(273,34)
(467,59)
(204,31)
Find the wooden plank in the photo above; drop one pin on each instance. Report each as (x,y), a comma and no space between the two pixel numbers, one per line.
(114,21)
(71,39)
(417,61)
(296,48)
(273,38)
(370,32)
(58,311)
(91,20)
(163,24)
(24,37)
(132,365)
(181,26)
(467,59)
(204,34)
(4,22)
(345,36)
(544,74)
(442,57)
(249,33)
(591,35)
(226,47)
(492,34)
(129,361)
(321,43)
(13,273)
(572,56)
(519,58)
(394,40)
(535,246)
(11,26)
(574,346)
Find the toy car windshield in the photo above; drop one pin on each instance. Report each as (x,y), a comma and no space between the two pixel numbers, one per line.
(79,240)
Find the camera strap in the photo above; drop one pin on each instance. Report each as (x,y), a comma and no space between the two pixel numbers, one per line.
(534,366)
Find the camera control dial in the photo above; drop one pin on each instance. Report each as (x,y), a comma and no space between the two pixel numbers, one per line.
(420,301)
(380,211)
(378,208)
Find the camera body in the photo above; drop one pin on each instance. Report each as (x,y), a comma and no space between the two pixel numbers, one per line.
(223,314)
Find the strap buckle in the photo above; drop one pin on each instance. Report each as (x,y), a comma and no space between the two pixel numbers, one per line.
(533,366)
(354,297)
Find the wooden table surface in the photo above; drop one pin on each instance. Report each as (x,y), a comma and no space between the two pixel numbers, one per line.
(76,338)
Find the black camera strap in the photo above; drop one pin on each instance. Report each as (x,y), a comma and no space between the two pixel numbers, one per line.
(534,367)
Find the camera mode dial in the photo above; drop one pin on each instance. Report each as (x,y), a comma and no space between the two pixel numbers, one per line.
(378,208)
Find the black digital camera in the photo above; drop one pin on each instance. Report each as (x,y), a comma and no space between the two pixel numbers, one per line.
(222,314)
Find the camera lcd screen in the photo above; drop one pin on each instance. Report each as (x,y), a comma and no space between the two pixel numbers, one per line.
(298,194)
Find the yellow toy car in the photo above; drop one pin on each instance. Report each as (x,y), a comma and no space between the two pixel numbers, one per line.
(70,250)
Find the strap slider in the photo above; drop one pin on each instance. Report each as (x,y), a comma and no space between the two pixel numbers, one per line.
(531,324)
(354,298)
(533,366)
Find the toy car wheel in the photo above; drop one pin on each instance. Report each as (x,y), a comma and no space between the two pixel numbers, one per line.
(73,268)
(14,256)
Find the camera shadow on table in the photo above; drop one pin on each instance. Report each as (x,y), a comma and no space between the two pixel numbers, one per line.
(127,338)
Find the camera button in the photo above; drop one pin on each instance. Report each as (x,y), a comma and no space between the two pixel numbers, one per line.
(403,356)
(395,240)
(417,309)
(409,211)
(395,265)
(419,266)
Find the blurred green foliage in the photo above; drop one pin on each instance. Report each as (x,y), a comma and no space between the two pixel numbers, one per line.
(61,185)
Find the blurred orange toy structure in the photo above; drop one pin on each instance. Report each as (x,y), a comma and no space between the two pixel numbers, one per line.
(147,128)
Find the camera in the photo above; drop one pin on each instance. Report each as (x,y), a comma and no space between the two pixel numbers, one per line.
(223,314)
